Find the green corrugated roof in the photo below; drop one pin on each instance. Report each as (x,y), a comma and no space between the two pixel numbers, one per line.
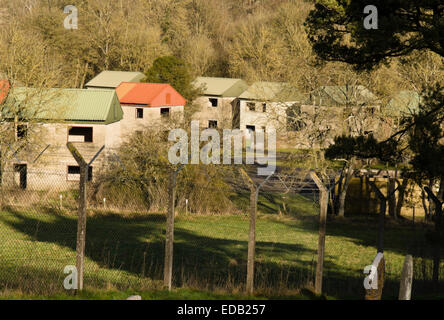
(223,87)
(272,91)
(403,103)
(112,79)
(74,105)
(343,95)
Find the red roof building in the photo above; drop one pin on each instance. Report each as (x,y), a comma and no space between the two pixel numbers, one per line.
(149,95)
(4,88)
(148,104)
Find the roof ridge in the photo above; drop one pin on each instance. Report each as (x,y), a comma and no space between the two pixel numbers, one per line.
(224,78)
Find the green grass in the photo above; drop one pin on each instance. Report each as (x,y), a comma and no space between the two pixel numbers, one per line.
(294,205)
(175,294)
(124,254)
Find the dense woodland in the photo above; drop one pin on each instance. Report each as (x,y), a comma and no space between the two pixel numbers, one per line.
(250,39)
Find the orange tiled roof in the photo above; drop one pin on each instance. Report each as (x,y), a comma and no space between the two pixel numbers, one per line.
(4,88)
(149,94)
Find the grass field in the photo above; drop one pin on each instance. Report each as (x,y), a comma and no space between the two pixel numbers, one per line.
(125,254)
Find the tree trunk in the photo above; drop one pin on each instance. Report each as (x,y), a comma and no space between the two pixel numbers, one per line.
(438,232)
(339,192)
(424,204)
(391,197)
(343,193)
(401,196)
(382,210)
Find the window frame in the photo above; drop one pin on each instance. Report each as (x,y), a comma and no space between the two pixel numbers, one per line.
(24,133)
(162,115)
(211,100)
(137,113)
(212,127)
(251,106)
(92,134)
(90,173)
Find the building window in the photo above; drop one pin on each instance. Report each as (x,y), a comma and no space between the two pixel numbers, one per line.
(22,131)
(139,113)
(214,102)
(165,112)
(212,124)
(80,134)
(74,173)
(251,128)
(251,106)
(21,175)
(264,107)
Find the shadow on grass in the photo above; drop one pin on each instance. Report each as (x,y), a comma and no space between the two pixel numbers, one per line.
(135,245)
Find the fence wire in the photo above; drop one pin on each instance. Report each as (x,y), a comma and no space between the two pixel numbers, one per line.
(125,238)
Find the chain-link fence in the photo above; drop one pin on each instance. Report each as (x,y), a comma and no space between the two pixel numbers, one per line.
(125,238)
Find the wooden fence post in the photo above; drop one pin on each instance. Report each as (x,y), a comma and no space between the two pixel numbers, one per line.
(405,288)
(252,239)
(81,221)
(168,265)
(438,230)
(379,265)
(169,236)
(323,204)
(254,195)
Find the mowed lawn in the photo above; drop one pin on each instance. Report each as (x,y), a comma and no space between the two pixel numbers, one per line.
(125,252)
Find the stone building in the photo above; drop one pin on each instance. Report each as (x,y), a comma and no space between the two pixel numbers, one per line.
(148,104)
(48,120)
(216,101)
(264,105)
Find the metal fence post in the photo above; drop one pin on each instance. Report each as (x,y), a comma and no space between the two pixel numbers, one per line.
(405,288)
(323,204)
(81,222)
(168,267)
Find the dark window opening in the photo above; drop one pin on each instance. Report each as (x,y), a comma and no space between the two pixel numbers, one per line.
(22,131)
(80,134)
(139,113)
(214,102)
(74,173)
(251,128)
(251,106)
(264,107)
(165,112)
(73,170)
(212,124)
(22,170)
